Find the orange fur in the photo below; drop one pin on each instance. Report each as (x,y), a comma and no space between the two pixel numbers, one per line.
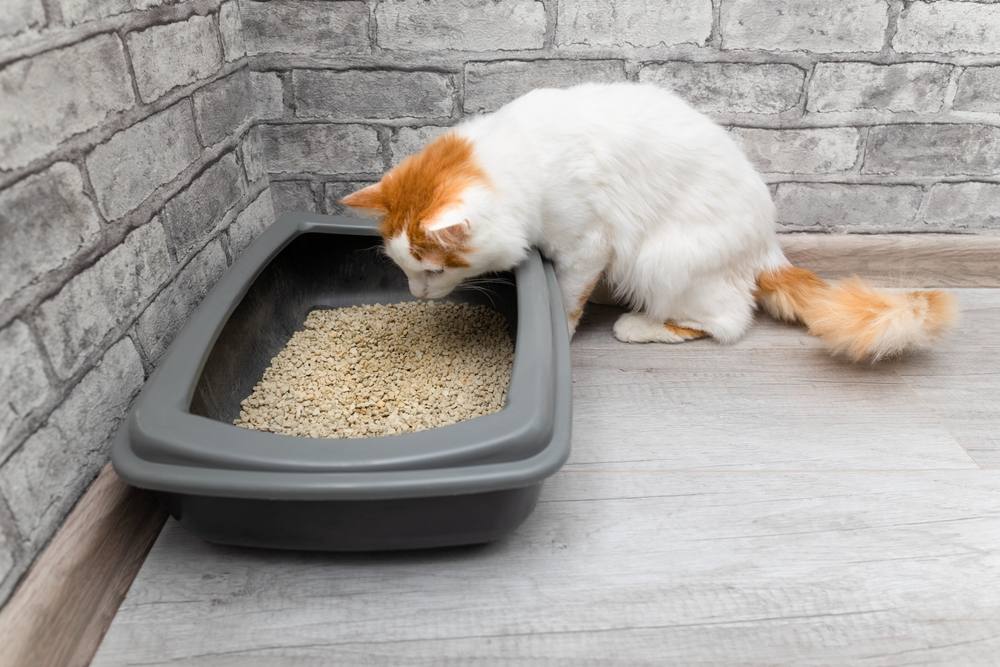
(853,318)
(686,333)
(785,293)
(417,190)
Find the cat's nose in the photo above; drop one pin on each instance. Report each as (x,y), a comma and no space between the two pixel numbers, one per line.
(418,290)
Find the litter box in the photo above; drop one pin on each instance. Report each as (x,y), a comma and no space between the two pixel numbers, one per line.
(465,483)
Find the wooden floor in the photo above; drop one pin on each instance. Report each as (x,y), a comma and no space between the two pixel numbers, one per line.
(757,504)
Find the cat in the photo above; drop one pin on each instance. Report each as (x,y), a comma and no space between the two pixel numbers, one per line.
(627,183)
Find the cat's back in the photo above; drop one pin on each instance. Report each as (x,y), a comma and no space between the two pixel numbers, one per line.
(591,104)
(606,117)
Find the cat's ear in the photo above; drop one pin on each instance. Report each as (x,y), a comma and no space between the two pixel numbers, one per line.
(450,232)
(369,199)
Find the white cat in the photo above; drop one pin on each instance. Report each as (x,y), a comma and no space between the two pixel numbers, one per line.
(629,183)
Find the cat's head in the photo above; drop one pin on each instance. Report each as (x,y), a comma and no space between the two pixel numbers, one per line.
(436,217)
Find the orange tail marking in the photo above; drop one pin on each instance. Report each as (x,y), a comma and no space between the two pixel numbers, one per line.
(685,332)
(786,293)
(853,318)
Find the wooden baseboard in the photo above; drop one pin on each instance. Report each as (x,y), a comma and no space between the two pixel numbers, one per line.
(64,605)
(900,260)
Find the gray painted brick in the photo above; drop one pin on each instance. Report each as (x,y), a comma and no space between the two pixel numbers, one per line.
(45,220)
(844,208)
(933,150)
(43,479)
(75,322)
(625,23)
(302,26)
(409,140)
(222,106)
(463,25)
(979,90)
(812,151)
(334,192)
(134,162)
(176,54)
(804,25)
(251,221)
(81,11)
(52,96)
(253,156)
(329,149)
(232,32)
(195,213)
(22,376)
(20,15)
(918,87)
(944,27)
(161,321)
(718,88)
(292,196)
(490,85)
(268,94)
(964,206)
(366,94)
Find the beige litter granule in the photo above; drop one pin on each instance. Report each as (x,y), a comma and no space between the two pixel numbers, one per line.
(382,369)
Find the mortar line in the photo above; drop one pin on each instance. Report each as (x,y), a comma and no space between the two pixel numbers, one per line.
(452,60)
(893,10)
(951,90)
(715,36)
(551,10)
(130,67)
(216,18)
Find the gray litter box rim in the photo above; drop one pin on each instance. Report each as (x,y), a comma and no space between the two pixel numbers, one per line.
(163,428)
(376,484)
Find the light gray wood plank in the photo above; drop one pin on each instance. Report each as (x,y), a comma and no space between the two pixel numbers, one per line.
(618,566)
(866,409)
(776,405)
(960,382)
(715,418)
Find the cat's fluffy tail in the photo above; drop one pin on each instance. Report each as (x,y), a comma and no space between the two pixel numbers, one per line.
(853,318)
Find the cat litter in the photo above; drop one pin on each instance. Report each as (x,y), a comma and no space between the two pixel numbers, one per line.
(384,369)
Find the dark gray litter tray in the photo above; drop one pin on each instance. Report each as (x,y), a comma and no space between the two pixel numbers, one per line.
(465,483)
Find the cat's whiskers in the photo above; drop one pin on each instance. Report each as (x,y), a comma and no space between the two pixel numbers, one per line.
(478,288)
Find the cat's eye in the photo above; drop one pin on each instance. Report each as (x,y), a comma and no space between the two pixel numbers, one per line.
(434,272)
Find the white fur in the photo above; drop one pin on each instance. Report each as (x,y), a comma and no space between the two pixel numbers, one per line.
(638,328)
(629,181)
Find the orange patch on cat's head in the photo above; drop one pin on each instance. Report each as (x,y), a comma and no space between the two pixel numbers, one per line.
(413,195)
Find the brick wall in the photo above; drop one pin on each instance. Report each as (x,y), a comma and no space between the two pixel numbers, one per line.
(865,115)
(130,176)
(142,141)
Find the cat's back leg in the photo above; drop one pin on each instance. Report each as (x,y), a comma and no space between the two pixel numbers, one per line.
(721,308)
(640,328)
